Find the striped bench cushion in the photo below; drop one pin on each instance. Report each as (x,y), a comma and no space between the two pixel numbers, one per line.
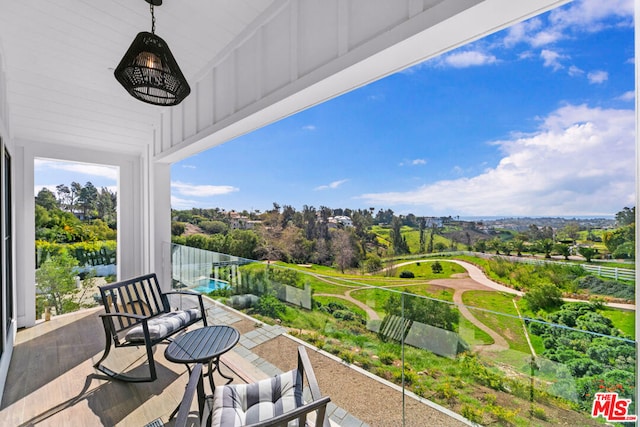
(242,404)
(163,325)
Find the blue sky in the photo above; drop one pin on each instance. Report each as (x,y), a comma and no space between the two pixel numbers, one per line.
(534,120)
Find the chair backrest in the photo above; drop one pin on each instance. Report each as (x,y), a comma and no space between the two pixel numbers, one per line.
(141,295)
(317,404)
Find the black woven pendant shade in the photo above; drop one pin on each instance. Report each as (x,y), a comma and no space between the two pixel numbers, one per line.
(149,72)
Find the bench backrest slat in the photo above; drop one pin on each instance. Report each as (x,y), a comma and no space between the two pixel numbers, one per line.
(141,295)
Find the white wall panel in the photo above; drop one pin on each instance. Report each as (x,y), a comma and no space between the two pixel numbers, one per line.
(300,53)
(189,112)
(224,89)
(277,52)
(204,91)
(368,18)
(177,123)
(248,72)
(317,34)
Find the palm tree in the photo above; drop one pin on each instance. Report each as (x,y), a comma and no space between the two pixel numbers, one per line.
(495,244)
(518,246)
(563,250)
(546,246)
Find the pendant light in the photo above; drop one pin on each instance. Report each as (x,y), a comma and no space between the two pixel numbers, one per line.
(148,70)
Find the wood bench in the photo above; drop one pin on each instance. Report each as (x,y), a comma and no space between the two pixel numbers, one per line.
(138,312)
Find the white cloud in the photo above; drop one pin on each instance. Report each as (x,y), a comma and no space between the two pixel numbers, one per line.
(590,15)
(89,169)
(189,167)
(331,186)
(414,162)
(597,77)
(575,71)
(309,127)
(469,58)
(580,162)
(551,59)
(580,16)
(192,190)
(50,187)
(182,204)
(627,96)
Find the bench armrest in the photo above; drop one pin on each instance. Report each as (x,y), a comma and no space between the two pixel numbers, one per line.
(203,313)
(195,387)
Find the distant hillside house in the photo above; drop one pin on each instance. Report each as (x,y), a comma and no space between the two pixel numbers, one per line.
(340,220)
(239,222)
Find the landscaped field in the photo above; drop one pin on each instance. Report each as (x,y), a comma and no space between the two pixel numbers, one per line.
(501,369)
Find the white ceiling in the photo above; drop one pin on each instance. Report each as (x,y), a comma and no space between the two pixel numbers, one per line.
(60,55)
(58,58)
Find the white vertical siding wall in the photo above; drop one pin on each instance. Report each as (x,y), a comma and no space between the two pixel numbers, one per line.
(303,53)
(5,358)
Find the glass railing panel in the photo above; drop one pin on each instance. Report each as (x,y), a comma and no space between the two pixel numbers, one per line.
(541,372)
(461,352)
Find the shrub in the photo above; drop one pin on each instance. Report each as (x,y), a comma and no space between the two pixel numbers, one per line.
(436,267)
(270,306)
(55,280)
(387,358)
(346,355)
(472,414)
(407,274)
(372,264)
(344,315)
(543,296)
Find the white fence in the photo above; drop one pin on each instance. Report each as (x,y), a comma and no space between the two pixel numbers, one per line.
(616,273)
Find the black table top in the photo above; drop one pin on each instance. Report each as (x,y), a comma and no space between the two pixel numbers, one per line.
(202,345)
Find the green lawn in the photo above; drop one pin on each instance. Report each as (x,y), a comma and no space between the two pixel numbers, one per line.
(423,269)
(508,325)
(624,320)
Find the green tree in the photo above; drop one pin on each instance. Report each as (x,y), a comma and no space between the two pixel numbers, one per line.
(587,253)
(625,250)
(398,243)
(543,296)
(422,225)
(243,243)
(481,246)
(372,264)
(626,216)
(563,250)
(105,205)
(64,196)
(177,228)
(436,267)
(495,244)
(517,245)
(214,227)
(344,253)
(545,246)
(87,199)
(615,238)
(55,280)
(46,199)
(571,230)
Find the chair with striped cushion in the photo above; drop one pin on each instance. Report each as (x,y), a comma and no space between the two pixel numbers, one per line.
(275,401)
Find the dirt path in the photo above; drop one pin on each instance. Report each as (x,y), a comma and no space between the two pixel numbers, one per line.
(473,279)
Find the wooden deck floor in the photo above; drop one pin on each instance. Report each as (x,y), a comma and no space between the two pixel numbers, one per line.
(52,380)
